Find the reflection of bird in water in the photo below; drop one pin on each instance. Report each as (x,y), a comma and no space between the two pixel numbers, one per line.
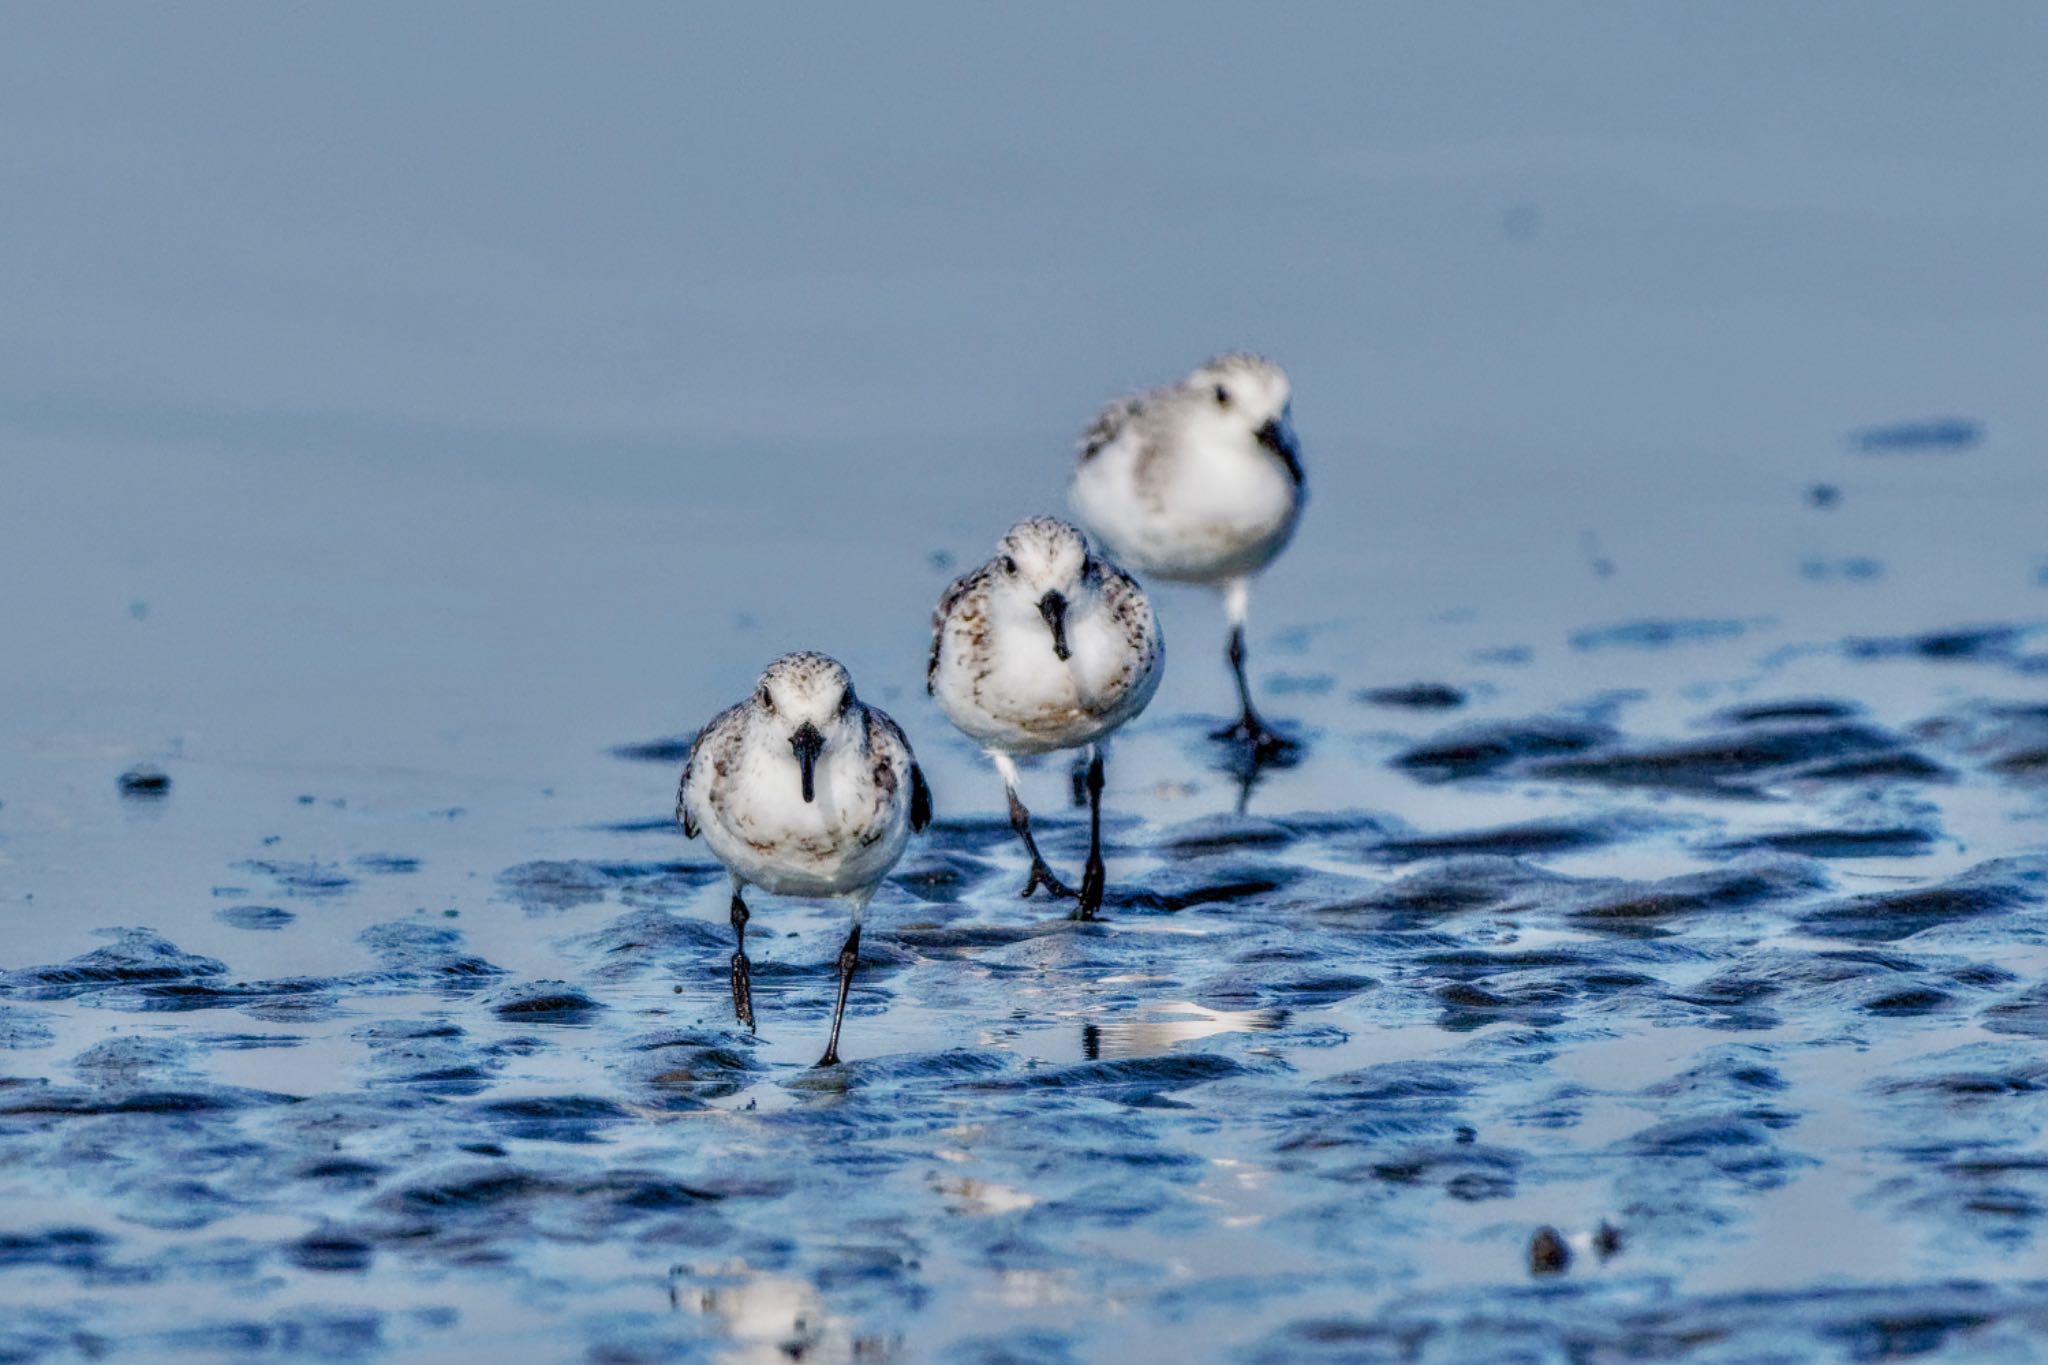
(1046,647)
(1167,1026)
(772,1318)
(1247,768)
(980,1198)
(1200,482)
(803,790)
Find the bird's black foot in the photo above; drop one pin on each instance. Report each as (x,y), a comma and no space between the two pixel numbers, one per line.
(849,958)
(1094,875)
(1259,740)
(742,975)
(743,991)
(1041,875)
(1264,743)
(1094,881)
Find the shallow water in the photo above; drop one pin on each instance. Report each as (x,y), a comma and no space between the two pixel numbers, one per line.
(1716,951)
(1640,880)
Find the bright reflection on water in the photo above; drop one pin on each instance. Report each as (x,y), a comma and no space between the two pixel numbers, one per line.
(771,1318)
(1165,1027)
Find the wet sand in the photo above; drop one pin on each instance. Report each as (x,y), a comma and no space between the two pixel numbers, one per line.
(1708,939)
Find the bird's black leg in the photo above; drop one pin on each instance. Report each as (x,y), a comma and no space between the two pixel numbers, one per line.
(849,957)
(1265,742)
(742,977)
(1041,875)
(1095,875)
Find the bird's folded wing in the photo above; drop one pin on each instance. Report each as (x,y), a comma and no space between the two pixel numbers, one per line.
(1109,425)
(948,601)
(713,732)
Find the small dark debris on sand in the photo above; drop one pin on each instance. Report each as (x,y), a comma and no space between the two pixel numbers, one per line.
(1607,1240)
(673,749)
(1421,696)
(1548,1254)
(1856,568)
(653,824)
(1654,634)
(1947,435)
(145,781)
(1990,644)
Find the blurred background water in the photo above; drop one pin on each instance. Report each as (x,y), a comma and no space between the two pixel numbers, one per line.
(401,407)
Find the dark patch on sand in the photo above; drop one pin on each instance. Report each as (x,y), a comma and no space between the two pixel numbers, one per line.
(1421,696)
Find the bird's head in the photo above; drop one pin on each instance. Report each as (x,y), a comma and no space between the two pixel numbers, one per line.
(807,701)
(1250,394)
(1043,563)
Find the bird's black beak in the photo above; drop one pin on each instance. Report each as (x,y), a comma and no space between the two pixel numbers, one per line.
(1053,608)
(808,743)
(1277,437)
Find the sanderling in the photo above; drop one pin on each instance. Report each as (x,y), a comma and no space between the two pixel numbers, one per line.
(803,790)
(1047,646)
(1200,482)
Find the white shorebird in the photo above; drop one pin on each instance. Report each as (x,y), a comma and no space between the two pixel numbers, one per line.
(1200,482)
(1045,647)
(803,790)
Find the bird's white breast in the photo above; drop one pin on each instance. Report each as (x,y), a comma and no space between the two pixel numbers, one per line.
(1001,683)
(844,840)
(1194,500)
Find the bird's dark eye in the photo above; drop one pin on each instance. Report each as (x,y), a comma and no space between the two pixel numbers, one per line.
(767,702)
(845,702)
(1009,565)
(1222,396)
